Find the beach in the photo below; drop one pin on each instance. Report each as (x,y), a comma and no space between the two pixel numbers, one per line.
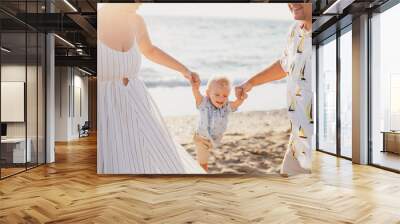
(257,134)
(254,143)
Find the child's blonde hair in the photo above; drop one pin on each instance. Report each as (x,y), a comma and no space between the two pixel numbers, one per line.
(221,79)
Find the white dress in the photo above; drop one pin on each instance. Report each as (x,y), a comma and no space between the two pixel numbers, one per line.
(132,137)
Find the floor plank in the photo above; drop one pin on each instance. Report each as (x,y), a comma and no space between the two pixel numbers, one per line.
(70,191)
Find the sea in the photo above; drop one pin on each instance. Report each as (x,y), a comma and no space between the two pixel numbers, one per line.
(235,47)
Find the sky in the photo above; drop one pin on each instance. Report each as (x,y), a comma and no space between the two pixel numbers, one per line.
(270,11)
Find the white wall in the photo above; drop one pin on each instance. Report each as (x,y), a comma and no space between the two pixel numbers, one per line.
(67,116)
(80,83)
(17,73)
(62,81)
(33,126)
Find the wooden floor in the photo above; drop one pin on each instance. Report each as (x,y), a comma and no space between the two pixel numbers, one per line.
(70,191)
(387,159)
(10,171)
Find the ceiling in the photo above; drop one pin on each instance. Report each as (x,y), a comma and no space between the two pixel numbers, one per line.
(332,15)
(76,20)
(73,21)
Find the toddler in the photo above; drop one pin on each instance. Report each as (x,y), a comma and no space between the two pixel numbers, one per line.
(214,109)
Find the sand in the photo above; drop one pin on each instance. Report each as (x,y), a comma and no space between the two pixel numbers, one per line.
(254,143)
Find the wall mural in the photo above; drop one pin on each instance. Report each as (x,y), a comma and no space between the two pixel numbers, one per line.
(196,89)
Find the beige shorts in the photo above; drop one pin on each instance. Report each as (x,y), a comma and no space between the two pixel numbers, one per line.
(203,148)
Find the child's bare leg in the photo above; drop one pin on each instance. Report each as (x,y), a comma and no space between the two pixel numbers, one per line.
(205,166)
(203,147)
(202,154)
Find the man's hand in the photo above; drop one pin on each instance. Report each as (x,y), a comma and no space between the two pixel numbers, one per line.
(240,97)
(243,97)
(241,91)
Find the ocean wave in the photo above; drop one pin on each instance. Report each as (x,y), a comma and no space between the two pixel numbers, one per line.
(235,47)
(164,83)
(184,83)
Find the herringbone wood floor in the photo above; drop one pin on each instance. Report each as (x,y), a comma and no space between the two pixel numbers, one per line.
(70,191)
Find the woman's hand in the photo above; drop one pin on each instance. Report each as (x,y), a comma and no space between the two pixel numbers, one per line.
(241,91)
(195,79)
(192,77)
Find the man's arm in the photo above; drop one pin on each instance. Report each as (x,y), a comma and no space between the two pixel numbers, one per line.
(271,73)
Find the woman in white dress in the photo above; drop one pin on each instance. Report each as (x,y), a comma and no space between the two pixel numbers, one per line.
(132,136)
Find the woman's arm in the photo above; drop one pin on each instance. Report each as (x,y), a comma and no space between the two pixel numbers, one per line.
(157,55)
(271,73)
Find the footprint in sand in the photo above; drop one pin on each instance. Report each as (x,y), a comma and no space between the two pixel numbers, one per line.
(234,134)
